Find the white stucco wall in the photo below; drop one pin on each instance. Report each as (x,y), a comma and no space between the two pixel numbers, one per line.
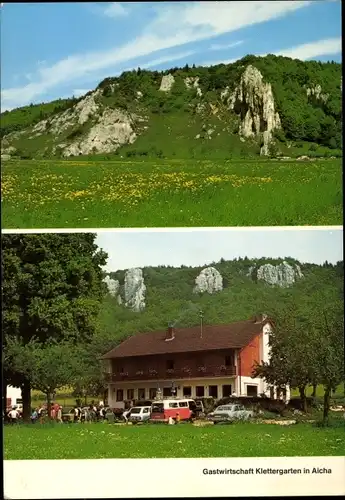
(14,393)
(179,384)
(265,353)
(250,381)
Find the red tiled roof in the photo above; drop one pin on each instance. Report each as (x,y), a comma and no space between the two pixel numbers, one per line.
(234,335)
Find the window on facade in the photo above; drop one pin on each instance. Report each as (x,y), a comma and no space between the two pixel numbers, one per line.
(229,360)
(166,391)
(130,393)
(141,393)
(200,391)
(170,364)
(213,391)
(252,390)
(152,393)
(227,390)
(187,391)
(119,395)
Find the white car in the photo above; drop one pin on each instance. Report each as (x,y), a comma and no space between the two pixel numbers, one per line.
(140,414)
(228,413)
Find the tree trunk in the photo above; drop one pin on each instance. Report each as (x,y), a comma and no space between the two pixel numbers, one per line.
(26,397)
(4,393)
(49,404)
(303,399)
(326,404)
(313,395)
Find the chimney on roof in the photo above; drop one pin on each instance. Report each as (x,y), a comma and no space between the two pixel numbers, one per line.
(170,335)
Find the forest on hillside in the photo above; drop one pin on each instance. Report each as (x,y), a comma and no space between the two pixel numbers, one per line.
(303,118)
(170,297)
(316,119)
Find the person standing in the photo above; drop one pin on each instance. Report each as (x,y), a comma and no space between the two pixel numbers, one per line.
(13,415)
(34,416)
(76,414)
(59,414)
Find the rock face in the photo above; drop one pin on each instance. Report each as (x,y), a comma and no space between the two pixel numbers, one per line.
(316,93)
(167,83)
(135,290)
(283,275)
(113,286)
(209,280)
(193,82)
(253,100)
(106,131)
(83,111)
(114,128)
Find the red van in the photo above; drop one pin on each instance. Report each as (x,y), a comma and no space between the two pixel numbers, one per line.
(177,409)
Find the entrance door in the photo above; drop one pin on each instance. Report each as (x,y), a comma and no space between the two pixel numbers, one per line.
(213,391)
(227,390)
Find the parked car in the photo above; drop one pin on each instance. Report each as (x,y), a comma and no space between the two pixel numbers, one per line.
(228,413)
(177,409)
(139,414)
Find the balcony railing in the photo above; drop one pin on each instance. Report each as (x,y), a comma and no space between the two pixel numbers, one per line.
(173,374)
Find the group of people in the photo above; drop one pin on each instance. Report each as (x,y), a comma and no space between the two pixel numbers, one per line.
(91,413)
(42,411)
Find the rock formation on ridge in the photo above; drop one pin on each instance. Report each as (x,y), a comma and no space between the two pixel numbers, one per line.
(253,100)
(209,280)
(134,290)
(283,274)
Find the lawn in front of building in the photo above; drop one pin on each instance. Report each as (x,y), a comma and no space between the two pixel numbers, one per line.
(78,441)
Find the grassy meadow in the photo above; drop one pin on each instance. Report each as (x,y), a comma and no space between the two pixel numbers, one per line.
(76,441)
(170,193)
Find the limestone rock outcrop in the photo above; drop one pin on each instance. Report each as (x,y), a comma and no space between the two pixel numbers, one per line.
(315,91)
(106,129)
(253,101)
(113,286)
(83,111)
(167,83)
(283,274)
(134,290)
(209,280)
(113,129)
(193,82)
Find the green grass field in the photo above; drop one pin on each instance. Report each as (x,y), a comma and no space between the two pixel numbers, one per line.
(170,193)
(162,441)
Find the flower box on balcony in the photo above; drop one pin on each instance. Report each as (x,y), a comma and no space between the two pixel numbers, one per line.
(152,372)
(124,374)
(222,368)
(186,369)
(170,370)
(139,372)
(201,368)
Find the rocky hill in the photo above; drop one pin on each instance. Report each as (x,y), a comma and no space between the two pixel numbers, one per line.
(150,298)
(258,105)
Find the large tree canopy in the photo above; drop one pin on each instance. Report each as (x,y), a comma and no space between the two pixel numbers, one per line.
(307,344)
(52,291)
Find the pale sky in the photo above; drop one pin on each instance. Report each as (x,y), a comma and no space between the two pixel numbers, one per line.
(199,247)
(53,49)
